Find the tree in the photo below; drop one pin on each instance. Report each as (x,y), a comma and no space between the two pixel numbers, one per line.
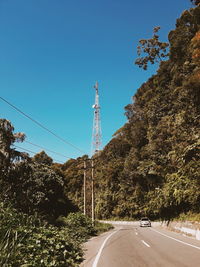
(30,185)
(151,166)
(73,172)
(43,158)
(156,51)
(36,187)
(195,2)
(8,155)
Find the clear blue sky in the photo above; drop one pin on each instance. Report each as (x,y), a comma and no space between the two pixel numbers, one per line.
(53,51)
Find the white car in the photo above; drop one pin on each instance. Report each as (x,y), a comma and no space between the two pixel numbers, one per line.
(145,222)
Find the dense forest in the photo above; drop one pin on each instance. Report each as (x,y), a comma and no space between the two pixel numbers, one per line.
(150,167)
(152,164)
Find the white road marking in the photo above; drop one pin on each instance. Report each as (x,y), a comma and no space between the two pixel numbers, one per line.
(185,243)
(145,243)
(101,249)
(136,231)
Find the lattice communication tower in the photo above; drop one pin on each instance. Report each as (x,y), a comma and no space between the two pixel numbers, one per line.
(96,132)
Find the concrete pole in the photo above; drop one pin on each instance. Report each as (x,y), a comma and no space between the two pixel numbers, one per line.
(84,189)
(93,198)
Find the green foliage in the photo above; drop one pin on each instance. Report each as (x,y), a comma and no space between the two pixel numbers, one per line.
(190,216)
(32,185)
(79,226)
(151,166)
(42,158)
(73,177)
(39,187)
(156,51)
(26,241)
(102,227)
(7,139)
(49,247)
(180,38)
(36,187)
(29,241)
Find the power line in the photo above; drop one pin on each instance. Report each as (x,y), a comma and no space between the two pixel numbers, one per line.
(42,126)
(27,150)
(47,149)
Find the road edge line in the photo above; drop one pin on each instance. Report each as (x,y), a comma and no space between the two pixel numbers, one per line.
(182,242)
(101,249)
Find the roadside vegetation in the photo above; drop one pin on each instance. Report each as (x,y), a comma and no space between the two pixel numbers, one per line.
(39,224)
(190,217)
(27,240)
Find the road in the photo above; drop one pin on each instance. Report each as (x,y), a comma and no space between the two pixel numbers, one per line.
(133,246)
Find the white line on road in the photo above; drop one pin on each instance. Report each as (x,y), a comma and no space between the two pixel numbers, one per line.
(101,249)
(187,244)
(145,243)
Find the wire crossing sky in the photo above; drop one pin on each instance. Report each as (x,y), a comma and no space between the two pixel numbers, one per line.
(53,52)
(41,125)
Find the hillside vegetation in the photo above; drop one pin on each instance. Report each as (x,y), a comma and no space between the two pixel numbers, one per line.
(152,164)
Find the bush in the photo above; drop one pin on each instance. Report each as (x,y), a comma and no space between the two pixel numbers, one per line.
(27,241)
(48,247)
(79,226)
(102,227)
(190,216)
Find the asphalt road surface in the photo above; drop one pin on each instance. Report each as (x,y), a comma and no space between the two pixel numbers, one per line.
(133,246)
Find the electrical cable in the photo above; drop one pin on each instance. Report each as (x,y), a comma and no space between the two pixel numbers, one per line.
(27,150)
(47,149)
(39,124)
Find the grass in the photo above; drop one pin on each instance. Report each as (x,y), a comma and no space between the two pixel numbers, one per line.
(190,216)
(102,227)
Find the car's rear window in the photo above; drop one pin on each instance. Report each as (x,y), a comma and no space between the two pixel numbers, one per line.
(144,219)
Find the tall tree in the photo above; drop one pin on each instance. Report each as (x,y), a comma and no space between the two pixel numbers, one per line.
(195,2)
(154,50)
(43,158)
(8,155)
(30,185)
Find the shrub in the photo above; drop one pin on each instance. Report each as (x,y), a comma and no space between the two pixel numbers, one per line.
(102,227)
(79,226)
(27,241)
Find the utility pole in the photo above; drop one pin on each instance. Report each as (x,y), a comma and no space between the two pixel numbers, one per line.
(84,189)
(96,141)
(93,198)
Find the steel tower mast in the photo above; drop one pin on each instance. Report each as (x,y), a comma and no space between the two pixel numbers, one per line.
(96,133)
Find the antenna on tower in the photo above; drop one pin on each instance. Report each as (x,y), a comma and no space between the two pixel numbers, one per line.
(96,132)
